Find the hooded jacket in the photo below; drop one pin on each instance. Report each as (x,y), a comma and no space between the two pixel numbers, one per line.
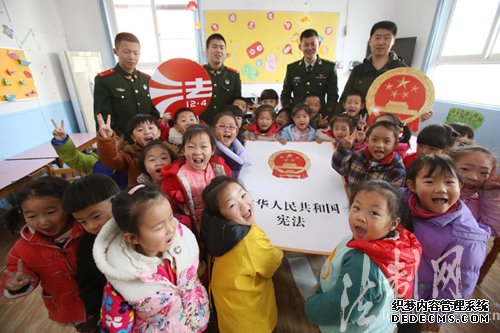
(454,246)
(158,305)
(235,156)
(241,283)
(54,268)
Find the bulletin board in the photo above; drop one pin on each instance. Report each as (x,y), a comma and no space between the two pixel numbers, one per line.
(261,44)
(16,79)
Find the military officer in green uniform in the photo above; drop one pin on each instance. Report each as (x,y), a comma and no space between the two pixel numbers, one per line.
(123,91)
(310,76)
(226,82)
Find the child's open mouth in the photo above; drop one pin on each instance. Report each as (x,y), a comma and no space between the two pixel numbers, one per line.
(198,160)
(247,214)
(440,201)
(359,231)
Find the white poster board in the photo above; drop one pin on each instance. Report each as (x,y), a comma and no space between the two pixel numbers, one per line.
(80,69)
(307,214)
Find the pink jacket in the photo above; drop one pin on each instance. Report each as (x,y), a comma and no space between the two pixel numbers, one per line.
(485,206)
(52,266)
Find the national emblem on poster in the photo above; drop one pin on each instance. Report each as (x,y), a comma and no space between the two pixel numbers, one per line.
(289,164)
(406,92)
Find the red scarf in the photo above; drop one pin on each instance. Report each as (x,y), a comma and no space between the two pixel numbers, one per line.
(272,130)
(397,257)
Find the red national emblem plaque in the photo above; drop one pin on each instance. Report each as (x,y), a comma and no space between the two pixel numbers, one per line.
(289,164)
(406,92)
(179,83)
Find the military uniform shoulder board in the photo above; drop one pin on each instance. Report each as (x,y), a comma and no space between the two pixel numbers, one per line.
(232,70)
(145,74)
(106,73)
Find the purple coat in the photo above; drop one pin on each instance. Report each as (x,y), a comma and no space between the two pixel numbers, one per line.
(453,251)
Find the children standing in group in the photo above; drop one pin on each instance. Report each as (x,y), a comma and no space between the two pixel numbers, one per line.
(450,236)
(184,180)
(404,138)
(358,281)
(300,129)
(377,161)
(228,146)
(244,260)
(183,118)
(264,128)
(152,159)
(150,261)
(88,199)
(46,252)
(432,139)
(142,129)
(481,192)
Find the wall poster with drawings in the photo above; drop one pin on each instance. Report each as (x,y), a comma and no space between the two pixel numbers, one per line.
(16,79)
(261,44)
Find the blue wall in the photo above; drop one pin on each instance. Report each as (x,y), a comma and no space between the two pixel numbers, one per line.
(488,135)
(23,130)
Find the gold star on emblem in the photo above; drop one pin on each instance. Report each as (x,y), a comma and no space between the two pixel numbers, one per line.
(402,83)
(405,94)
(394,93)
(414,89)
(388,86)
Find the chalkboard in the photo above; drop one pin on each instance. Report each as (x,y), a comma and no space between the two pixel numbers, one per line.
(80,69)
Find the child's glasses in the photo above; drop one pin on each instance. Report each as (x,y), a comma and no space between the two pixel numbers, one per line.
(229,127)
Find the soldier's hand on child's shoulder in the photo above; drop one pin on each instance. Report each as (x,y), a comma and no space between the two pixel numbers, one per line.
(493,181)
(18,279)
(104,127)
(58,133)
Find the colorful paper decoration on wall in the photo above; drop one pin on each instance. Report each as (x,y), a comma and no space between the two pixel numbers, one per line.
(8,31)
(16,80)
(250,43)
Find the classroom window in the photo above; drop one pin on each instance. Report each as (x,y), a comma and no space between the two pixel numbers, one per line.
(468,66)
(166,29)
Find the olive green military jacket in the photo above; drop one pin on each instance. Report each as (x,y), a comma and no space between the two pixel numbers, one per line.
(321,81)
(226,86)
(122,95)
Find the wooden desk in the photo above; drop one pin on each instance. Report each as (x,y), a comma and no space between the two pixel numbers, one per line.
(14,174)
(45,150)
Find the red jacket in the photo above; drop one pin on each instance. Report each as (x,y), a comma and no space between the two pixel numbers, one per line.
(54,268)
(181,197)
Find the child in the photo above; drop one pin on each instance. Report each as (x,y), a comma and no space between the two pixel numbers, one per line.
(404,138)
(88,199)
(183,118)
(341,126)
(228,146)
(317,119)
(152,159)
(283,118)
(358,281)
(465,134)
(241,103)
(244,259)
(82,162)
(142,129)
(300,129)
(264,128)
(150,261)
(46,252)
(238,115)
(269,97)
(481,192)
(377,161)
(453,243)
(432,139)
(354,105)
(184,180)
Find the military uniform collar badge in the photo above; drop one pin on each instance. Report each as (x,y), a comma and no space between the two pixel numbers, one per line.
(120,89)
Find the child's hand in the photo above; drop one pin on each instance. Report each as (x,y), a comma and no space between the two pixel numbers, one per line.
(104,127)
(348,141)
(58,132)
(493,181)
(362,122)
(427,115)
(318,140)
(322,122)
(282,141)
(19,279)
(166,117)
(361,133)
